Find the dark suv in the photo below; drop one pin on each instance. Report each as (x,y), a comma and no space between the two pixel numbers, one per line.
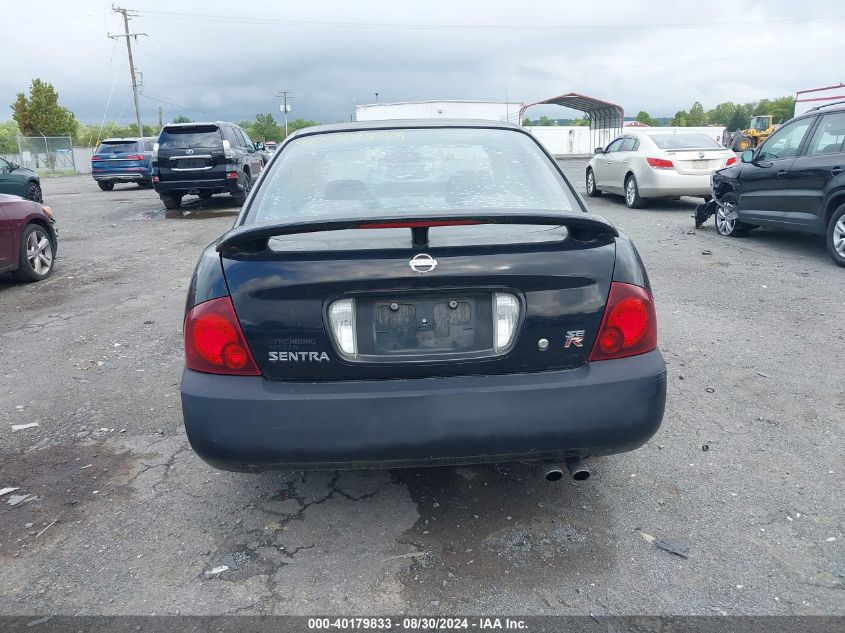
(794,180)
(204,159)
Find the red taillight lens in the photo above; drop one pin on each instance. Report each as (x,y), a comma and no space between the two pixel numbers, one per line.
(94,159)
(214,342)
(731,161)
(232,175)
(416,224)
(134,157)
(629,326)
(660,163)
(155,179)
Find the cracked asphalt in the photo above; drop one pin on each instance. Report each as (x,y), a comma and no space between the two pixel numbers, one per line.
(123,518)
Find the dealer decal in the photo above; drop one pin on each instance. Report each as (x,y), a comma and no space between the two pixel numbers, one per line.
(298,357)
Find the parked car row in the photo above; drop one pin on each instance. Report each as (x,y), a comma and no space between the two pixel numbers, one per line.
(794,180)
(187,158)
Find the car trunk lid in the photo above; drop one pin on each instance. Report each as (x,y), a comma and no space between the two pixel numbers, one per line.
(436,320)
(191,152)
(698,161)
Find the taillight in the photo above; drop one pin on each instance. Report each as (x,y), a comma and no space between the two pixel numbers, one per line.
(731,161)
(506,313)
(228,152)
(629,325)
(342,322)
(155,179)
(134,157)
(214,342)
(660,163)
(96,158)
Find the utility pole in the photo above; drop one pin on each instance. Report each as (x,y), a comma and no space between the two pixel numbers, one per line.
(160,122)
(127,35)
(284,94)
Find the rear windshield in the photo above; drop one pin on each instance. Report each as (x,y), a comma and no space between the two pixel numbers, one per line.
(407,171)
(684,141)
(190,137)
(117,147)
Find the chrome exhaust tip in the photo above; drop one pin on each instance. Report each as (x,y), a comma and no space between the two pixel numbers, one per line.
(577,468)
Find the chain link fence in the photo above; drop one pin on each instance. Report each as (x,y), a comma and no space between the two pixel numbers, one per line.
(46,155)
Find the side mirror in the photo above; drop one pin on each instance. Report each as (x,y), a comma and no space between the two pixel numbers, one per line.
(14,166)
(747,156)
(599,150)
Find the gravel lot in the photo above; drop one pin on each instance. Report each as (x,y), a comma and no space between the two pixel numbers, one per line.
(747,470)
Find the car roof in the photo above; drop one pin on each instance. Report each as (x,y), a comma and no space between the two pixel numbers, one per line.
(392,124)
(128,139)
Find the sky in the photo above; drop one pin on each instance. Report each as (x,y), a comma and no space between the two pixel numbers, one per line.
(212,59)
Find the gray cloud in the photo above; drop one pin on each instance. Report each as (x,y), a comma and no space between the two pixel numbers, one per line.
(230,66)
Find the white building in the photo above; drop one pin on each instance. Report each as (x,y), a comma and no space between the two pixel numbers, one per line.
(485,110)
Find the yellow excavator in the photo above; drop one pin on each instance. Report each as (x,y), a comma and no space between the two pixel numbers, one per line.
(759,130)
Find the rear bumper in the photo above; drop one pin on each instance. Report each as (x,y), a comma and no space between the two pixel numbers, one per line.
(250,424)
(656,183)
(215,185)
(122,176)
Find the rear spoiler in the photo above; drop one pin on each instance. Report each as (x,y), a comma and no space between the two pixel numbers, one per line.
(254,237)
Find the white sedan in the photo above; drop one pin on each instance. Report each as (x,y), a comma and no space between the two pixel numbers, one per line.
(656,164)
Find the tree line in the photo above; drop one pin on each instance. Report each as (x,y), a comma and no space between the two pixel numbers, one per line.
(40,114)
(734,116)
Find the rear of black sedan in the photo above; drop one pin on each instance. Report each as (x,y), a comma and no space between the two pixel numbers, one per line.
(418,293)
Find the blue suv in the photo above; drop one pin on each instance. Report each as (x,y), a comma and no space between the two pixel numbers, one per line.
(123,160)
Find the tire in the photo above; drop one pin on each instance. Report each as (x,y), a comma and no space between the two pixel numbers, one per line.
(105,185)
(36,256)
(743,143)
(204,195)
(33,191)
(632,193)
(592,190)
(246,184)
(146,184)
(836,236)
(171,200)
(726,227)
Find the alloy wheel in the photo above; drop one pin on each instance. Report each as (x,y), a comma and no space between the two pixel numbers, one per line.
(630,191)
(839,236)
(39,252)
(723,222)
(591,182)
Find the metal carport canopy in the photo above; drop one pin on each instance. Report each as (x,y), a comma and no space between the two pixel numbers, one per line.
(605,118)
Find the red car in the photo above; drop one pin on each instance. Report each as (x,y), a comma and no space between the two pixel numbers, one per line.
(28,238)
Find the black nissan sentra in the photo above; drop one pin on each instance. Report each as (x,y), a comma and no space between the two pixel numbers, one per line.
(407,293)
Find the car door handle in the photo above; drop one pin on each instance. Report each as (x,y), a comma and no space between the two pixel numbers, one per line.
(836,171)
(782,173)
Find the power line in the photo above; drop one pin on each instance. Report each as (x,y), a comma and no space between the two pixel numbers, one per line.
(222,115)
(496,27)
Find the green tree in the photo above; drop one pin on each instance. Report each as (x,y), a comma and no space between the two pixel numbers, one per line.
(41,112)
(265,128)
(544,120)
(644,118)
(9,137)
(182,119)
(697,116)
(782,109)
(680,119)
